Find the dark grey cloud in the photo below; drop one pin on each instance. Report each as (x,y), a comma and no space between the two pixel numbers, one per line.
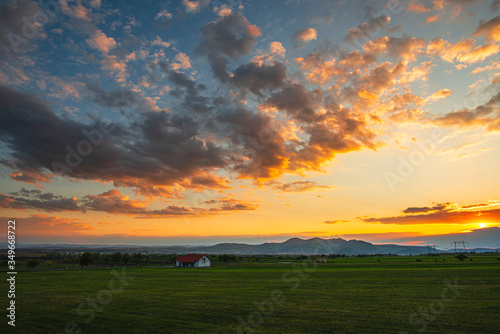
(297,101)
(188,92)
(487,115)
(114,202)
(230,36)
(363,31)
(257,78)
(120,98)
(17,32)
(48,203)
(255,136)
(495,5)
(437,207)
(160,149)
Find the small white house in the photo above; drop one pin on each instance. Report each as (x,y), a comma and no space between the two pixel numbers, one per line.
(193,260)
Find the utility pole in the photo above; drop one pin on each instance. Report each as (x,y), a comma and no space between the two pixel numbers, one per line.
(463,243)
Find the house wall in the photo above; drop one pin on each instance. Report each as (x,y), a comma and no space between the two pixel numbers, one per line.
(203,263)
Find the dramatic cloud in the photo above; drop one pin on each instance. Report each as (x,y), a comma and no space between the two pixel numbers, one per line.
(230,36)
(106,102)
(38,225)
(331,222)
(101,42)
(297,101)
(195,5)
(305,35)
(298,186)
(463,51)
(365,30)
(48,203)
(114,202)
(490,29)
(440,94)
(13,31)
(182,61)
(76,10)
(445,213)
(257,78)
(487,115)
(163,19)
(165,151)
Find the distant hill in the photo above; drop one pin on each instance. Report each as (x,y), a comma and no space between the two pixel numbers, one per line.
(291,246)
(312,246)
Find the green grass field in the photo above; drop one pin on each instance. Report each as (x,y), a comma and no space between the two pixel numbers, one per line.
(351,295)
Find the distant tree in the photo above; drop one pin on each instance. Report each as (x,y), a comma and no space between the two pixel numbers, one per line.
(75,259)
(461,257)
(32,263)
(107,259)
(97,256)
(137,257)
(126,258)
(116,257)
(48,263)
(147,258)
(227,258)
(86,259)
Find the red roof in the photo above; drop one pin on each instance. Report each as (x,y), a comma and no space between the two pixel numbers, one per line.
(190,258)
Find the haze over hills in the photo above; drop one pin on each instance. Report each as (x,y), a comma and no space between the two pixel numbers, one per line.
(313,246)
(290,246)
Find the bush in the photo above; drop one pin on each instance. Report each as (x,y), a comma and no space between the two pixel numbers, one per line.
(32,263)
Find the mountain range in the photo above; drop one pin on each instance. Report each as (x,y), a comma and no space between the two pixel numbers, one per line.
(290,246)
(312,246)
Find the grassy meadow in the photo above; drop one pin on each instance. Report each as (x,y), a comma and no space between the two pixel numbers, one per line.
(346,295)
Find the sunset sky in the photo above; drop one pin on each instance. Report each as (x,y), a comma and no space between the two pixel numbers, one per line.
(196,122)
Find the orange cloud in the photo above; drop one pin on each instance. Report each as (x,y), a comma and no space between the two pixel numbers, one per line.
(440,94)
(297,186)
(416,7)
(463,51)
(490,29)
(446,213)
(305,35)
(432,18)
(101,42)
(253,30)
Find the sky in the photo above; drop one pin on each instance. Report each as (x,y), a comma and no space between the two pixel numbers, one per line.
(204,121)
